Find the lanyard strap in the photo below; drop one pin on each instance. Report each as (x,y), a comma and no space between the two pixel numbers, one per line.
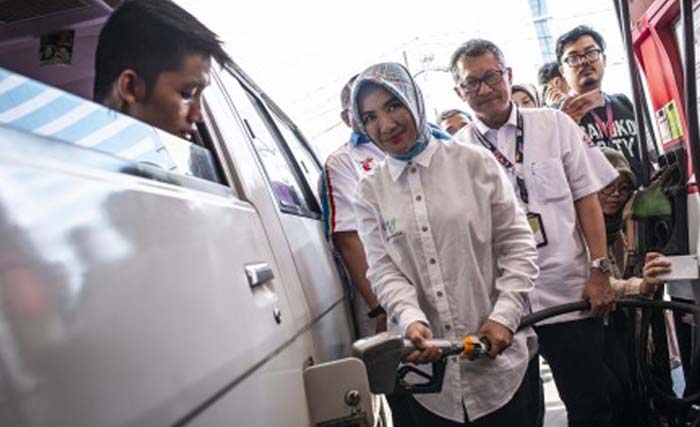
(608,127)
(519,155)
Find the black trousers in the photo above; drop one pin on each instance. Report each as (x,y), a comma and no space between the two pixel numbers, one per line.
(521,411)
(575,352)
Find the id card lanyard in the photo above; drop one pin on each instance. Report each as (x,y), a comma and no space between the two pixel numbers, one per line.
(534,219)
(519,155)
(607,127)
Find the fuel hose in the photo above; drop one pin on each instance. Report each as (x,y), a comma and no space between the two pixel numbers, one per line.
(539,316)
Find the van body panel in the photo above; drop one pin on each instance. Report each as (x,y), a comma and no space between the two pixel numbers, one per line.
(121,295)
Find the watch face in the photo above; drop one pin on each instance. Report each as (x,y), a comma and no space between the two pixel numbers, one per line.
(602,264)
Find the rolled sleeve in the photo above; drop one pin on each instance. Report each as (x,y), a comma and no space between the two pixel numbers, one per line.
(515,250)
(393,290)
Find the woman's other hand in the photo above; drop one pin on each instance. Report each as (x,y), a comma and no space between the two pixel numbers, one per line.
(654,264)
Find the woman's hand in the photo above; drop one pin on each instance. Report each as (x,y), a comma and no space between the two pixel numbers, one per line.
(654,264)
(498,335)
(418,333)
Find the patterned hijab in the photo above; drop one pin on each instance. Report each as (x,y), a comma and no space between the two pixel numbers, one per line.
(396,79)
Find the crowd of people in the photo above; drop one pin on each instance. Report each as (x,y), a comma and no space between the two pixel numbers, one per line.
(520,206)
(523,206)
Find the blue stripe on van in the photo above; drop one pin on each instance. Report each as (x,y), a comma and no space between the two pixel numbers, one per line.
(89,124)
(126,138)
(20,94)
(48,113)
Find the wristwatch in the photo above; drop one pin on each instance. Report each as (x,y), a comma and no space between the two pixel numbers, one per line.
(376,312)
(604,265)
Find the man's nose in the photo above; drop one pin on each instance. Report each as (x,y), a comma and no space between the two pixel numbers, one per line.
(195,114)
(482,85)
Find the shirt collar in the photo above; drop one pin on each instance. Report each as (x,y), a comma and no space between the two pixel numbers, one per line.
(396,167)
(512,120)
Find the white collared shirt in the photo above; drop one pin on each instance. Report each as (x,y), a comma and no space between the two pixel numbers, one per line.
(559,168)
(447,244)
(343,170)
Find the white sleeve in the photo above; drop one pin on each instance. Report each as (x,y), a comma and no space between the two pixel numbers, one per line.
(514,248)
(586,168)
(340,186)
(395,293)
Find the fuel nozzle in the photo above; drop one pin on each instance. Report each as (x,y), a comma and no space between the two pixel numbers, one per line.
(474,348)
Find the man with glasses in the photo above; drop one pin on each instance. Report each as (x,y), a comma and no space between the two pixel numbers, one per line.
(556,177)
(608,120)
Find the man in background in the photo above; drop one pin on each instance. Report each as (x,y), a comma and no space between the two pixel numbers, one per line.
(452,121)
(607,119)
(343,170)
(554,86)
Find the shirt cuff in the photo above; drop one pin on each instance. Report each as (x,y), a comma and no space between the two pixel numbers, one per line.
(409,316)
(585,191)
(507,312)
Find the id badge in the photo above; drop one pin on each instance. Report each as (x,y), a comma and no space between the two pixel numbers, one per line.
(537,227)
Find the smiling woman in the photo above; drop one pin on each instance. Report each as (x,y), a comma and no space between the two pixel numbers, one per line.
(435,219)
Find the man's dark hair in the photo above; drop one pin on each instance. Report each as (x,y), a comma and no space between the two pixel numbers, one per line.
(453,112)
(575,34)
(346,93)
(150,37)
(474,48)
(547,72)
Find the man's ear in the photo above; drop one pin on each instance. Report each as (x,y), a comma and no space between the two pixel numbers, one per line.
(130,88)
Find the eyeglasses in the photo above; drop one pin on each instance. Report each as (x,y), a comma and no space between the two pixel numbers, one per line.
(624,189)
(574,60)
(491,78)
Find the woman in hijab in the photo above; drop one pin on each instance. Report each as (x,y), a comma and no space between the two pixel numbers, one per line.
(450,253)
(524,97)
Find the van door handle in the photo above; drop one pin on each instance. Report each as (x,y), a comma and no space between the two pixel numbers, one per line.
(259,274)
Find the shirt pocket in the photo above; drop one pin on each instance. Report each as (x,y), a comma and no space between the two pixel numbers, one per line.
(550,180)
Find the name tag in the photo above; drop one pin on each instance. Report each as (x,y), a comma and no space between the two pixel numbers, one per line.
(537,226)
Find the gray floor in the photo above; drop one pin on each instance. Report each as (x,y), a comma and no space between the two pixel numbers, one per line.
(555,413)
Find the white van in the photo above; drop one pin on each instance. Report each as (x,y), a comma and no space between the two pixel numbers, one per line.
(146,280)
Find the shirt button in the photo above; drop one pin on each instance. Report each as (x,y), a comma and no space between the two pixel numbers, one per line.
(424,228)
(419,198)
(448,327)
(439,293)
(432,260)
(413,170)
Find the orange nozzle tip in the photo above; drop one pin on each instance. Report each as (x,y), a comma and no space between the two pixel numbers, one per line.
(468,343)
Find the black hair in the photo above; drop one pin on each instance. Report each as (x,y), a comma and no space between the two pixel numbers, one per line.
(346,93)
(474,48)
(547,72)
(570,37)
(452,112)
(150,37)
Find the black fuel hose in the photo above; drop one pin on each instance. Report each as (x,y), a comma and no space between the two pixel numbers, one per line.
(541,315)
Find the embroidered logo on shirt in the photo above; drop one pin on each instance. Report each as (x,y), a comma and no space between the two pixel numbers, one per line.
(367,164)
(390,230)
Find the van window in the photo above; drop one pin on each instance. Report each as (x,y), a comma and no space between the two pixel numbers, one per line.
(290,189)
(308,165)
